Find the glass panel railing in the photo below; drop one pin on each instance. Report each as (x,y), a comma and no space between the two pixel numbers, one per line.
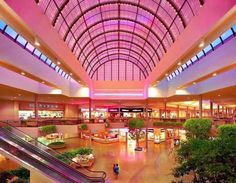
(47,154)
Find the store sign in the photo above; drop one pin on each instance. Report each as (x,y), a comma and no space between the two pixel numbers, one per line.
(128,110)
(113,109)
(41,106)
(131,109)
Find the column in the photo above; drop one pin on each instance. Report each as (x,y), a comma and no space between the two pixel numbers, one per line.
(178,112)
(147,120)
(36,106)
(211,109)
(187,116)
(200,106)
(90,108)
(218,111)
(165,110)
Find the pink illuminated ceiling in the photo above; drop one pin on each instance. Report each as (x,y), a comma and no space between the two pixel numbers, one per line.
(116,39)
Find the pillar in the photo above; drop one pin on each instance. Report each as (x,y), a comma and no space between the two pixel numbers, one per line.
(200,106)
(147,120)
(218,110)
(36,107)
(165,110)
(90,108)
(187,116)
(177,111)
(211,108)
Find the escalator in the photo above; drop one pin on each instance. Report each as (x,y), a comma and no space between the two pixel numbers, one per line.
(37,154)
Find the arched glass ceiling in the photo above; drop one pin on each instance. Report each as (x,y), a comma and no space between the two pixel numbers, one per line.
(119,39)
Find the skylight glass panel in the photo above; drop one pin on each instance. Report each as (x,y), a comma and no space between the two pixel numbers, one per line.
(194,58)
(60,71)
(189,62)
(48,61)
(43,57)
(30,47)
(57,68)
(21,40)
(184,66)
(227,34)
(207,49)
(9,31)
(234,28)
(216,42)
(2,24)
(200,54)
(37,52)
(53,65)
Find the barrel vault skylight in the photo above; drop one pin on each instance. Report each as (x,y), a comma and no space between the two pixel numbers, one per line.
(117,39)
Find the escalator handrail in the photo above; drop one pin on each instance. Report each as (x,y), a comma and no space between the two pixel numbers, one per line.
(45,155)
(51,168)
(70,160)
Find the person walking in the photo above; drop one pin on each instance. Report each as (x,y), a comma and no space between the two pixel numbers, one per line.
(116,170)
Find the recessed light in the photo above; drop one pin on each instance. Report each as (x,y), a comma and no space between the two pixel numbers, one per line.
(201,44)
(14,97)
(19,94)
(214,74)
(71,74)
(42,82)
(22,73)
(219,95)
(36,43)
(194,83)
(58,63)
(179,63)
(166,74)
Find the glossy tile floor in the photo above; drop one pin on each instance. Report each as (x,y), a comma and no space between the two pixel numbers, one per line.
(151,166)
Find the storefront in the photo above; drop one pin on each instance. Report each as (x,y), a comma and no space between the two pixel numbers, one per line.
(45,110)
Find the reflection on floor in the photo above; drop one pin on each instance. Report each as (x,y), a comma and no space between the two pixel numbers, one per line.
(151,166)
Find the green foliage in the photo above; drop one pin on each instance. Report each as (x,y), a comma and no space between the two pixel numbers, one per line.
(136,123)
(211,160)
(9,128)
(56,143)
(84,127)
(198,128)
(73,153)
(22,173)
(227,131)
(135,129)
(168,124)
(48,129)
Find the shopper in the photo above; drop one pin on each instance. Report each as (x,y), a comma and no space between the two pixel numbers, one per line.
(116,170)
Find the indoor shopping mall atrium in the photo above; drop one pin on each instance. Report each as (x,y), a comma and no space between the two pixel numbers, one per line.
(117,91)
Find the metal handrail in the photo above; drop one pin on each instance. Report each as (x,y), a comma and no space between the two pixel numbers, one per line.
(57,153)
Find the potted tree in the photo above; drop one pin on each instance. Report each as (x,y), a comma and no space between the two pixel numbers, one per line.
(135,131)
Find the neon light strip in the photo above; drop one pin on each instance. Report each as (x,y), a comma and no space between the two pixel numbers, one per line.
(118,94)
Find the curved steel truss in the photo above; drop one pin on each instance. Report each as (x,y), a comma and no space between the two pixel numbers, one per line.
(114,38)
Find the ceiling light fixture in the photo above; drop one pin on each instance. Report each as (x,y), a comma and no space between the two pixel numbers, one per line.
(42,82)
(36,43)
(166,74)
(194,83)
(179,63)
(219,95)
(214,74)
(201,44)
(71,74)
(22,73)
(58,63)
